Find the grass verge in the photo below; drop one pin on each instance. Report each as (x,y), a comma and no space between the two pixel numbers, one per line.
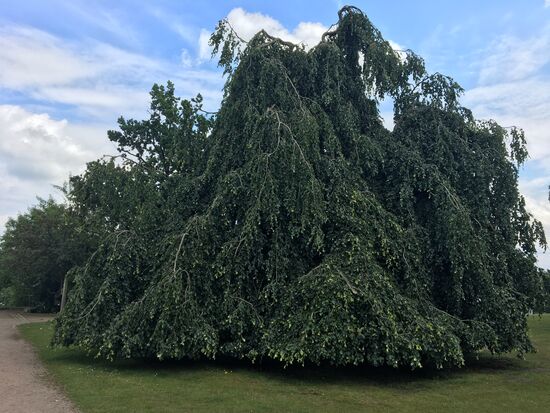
(490,384)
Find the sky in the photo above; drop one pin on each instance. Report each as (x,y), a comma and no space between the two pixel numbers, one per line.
(69,69)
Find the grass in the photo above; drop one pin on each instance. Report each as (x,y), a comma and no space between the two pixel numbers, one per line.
(490,384)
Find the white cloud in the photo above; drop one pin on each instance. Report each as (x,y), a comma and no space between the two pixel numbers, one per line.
(173,22)
(98,101)
(512,59)
(535,192)
(37,152)
(97,79)
(36,147)
(546,3)
(396,46)
(247,24)
(204,48)
(524,104)
(108,21)
(90,75)
(30,57)
(514,89)
(307,33)
(186,59)
(401,50)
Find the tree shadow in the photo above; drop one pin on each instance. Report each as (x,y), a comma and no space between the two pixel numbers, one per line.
(298,375)
(478,363)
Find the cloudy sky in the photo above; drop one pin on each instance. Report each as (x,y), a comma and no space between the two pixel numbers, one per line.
(68,69)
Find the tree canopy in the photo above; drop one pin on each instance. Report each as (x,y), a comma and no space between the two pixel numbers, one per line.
(292,225)
(38,248)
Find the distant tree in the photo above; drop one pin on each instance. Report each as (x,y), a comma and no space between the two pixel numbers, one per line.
(7,295)
(294,226)
(37,250)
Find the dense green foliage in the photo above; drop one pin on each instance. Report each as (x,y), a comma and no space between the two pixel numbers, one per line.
(293,225)
(36,251)
(546,282)
(7,294)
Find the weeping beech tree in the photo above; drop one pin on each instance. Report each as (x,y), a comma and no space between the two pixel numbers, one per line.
(292,225)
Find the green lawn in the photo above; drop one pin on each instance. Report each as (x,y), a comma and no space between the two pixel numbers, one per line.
(490,384)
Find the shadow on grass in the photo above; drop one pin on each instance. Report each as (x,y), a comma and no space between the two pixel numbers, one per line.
(495,363)
(309,374)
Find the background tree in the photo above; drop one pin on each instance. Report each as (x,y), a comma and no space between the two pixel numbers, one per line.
(293,225)
(7,293)
(36,251)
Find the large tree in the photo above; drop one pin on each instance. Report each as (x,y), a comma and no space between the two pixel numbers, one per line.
(545,302)
(36,251)
(293,225)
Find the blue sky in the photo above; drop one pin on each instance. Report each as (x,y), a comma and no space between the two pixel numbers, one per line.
(68,69)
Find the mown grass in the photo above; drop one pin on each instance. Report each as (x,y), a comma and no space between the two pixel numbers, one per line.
(490,384)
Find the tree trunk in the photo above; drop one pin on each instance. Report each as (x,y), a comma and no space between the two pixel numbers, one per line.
(64,292)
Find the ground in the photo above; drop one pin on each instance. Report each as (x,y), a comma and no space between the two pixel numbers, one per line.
(24,384)
(490,384)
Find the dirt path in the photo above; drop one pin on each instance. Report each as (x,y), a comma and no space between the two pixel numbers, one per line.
(24,383)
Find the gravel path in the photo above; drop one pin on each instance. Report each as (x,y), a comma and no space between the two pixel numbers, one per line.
(24,383)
